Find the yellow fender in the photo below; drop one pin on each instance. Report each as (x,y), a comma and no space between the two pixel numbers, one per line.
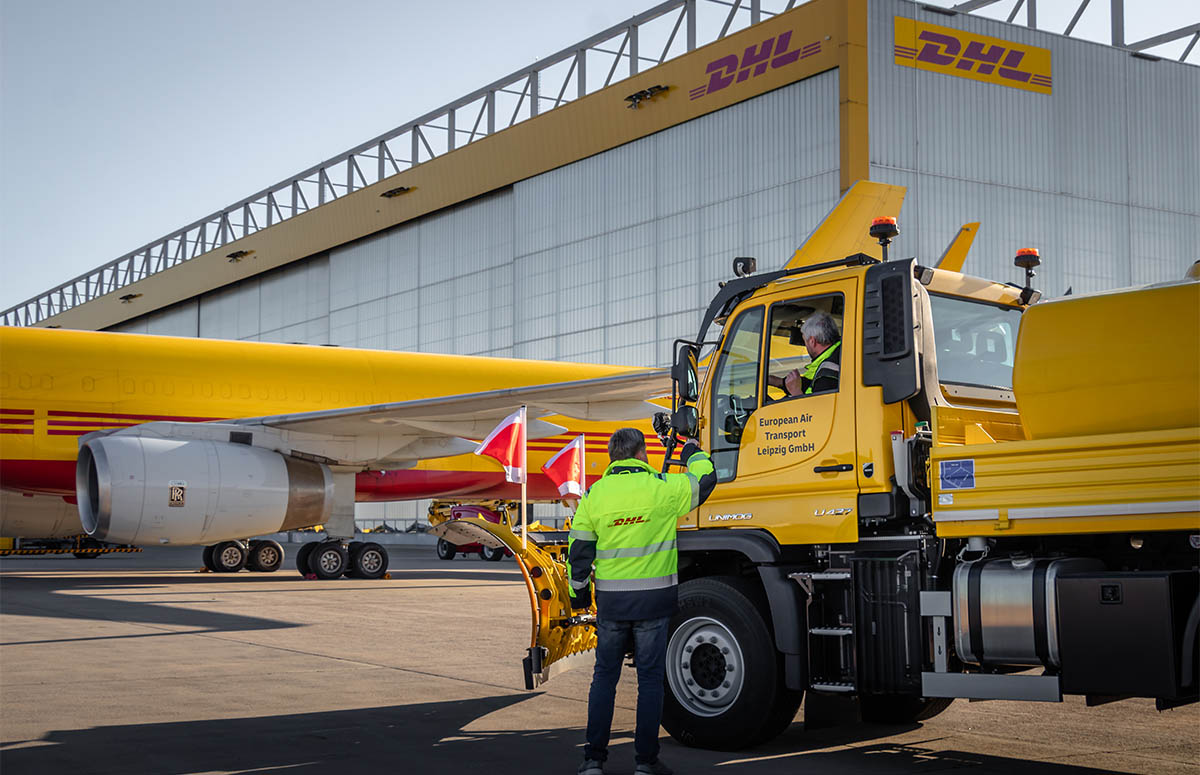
(557,632)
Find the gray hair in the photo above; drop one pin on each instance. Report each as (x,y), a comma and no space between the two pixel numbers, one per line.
(820,326)
(626,443)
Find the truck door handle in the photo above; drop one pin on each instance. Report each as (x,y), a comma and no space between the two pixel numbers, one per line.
(832,469)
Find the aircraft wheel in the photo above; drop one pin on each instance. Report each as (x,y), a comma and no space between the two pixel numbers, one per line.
(265,556)
(368,561)
(445,549)
(228,557)
(86,555)
(208,558)
(724,677)
(490,554)
(302,558)
(328,560)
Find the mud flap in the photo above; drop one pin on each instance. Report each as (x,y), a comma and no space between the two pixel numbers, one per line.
(559,636)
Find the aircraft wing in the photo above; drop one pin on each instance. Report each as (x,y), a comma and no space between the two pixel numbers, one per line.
(399,434)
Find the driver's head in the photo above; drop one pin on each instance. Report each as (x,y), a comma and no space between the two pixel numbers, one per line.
(627,443)
(819,332)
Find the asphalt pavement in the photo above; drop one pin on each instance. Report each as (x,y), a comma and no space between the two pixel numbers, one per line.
(142,663)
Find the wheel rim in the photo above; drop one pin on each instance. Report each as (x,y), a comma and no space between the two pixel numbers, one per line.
(267,556)
(370,561)
(230,556)
(330,561)
(705,668)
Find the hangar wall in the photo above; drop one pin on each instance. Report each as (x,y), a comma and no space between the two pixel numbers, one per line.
(1101,175)
(605,260)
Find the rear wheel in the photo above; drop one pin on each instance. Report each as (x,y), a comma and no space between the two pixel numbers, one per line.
(328,560)
(265,556)
(445,549)
(724,677)
(228,557)
(368,561)
(302,558)
(900,709)
(491,554)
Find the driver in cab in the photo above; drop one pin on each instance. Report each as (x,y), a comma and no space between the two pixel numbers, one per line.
(824,344)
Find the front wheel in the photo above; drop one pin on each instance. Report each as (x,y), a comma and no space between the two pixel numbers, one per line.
(724,676)
(445,549)
(491,554)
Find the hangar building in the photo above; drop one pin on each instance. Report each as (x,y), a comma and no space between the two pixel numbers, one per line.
(585,208)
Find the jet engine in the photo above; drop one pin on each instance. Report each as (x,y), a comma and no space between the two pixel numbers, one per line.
(140,490)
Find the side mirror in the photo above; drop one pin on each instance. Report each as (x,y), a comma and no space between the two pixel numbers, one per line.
(687,385)
(686,422)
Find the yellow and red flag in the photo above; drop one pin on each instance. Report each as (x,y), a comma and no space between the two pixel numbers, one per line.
(506,443)
(565,469)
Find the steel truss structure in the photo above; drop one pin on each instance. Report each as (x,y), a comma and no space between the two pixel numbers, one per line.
(668,30)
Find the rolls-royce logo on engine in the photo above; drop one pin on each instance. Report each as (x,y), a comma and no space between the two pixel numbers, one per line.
(176,493)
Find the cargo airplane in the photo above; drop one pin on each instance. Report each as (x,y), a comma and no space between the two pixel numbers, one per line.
(151,440)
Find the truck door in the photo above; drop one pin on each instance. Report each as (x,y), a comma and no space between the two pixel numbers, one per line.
(784,449)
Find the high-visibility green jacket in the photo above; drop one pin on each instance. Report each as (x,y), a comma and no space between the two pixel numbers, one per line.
(822,372)
(624,527)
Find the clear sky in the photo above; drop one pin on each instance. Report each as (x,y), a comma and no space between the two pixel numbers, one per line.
(124,120)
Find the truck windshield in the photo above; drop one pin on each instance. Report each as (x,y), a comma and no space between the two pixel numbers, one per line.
(975,341)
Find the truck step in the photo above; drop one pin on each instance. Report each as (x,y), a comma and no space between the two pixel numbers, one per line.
(837,632)
(843,687)
(828,575)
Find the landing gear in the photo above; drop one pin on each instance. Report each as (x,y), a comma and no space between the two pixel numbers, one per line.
(228,557)
(724,677)
(491,554)
(265,556)
(445,549)
(367,561)
(328,560)
(302,558)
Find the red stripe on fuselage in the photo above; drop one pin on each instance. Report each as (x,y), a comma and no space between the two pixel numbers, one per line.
(116,416)
(16,411)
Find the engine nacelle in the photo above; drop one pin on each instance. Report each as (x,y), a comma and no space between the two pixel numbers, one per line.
(140,490)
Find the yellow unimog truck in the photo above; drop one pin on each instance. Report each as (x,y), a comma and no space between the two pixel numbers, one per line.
(999,500)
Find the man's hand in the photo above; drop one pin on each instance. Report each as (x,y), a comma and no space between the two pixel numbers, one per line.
(582,599)
(688,450)
(792,383)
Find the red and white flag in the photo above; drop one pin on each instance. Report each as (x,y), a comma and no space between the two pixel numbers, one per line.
(565,469)
(507,444)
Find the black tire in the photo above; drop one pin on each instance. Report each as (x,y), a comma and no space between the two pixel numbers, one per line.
(208,560)
(900,709)
(352,548)
(751,707)
(328,560)
(368,561)
(228,557)
(446,550)
(86,555)
(302,558)
(489,554)
(265,556)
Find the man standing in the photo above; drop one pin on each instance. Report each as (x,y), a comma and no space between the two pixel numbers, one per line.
(625,527)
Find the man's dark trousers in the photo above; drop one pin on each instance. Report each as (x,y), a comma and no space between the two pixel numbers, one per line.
(649,638)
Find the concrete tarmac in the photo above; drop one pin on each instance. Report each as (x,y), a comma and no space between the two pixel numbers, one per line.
(142,664)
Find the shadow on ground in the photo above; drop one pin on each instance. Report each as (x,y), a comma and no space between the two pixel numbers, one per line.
(433,738)
(65,597)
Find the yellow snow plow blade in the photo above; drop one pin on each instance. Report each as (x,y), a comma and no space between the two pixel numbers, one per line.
(558,633)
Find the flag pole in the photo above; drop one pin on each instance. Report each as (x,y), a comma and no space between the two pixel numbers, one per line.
(583,465)
(524,481)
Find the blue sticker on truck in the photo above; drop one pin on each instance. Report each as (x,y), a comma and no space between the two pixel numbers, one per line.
(957,474)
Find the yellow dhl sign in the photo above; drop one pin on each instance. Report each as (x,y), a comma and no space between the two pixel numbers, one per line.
(968,55)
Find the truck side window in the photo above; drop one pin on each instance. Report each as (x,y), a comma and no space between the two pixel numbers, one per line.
(735,390)
(788,358)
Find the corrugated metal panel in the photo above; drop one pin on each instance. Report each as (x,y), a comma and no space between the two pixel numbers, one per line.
(1058,172)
